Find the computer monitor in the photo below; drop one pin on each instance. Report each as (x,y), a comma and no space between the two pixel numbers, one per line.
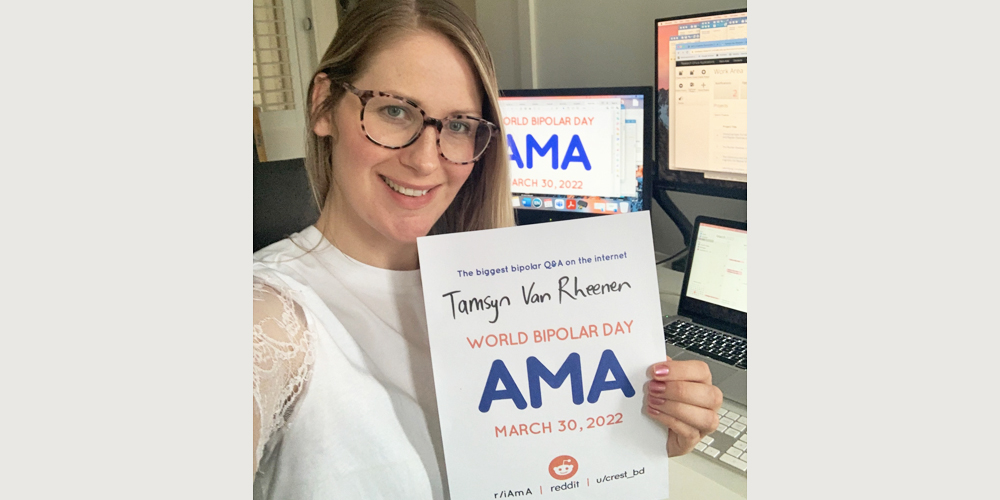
(578,152)
(701,108)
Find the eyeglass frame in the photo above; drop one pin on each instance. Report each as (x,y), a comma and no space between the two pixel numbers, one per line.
(367,95)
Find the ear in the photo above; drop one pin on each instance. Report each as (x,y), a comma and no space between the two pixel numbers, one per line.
(321,90)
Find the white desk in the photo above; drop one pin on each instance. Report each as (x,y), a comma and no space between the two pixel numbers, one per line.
(692,476)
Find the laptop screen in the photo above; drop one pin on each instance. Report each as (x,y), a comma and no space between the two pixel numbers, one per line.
(719,267)
(715,283)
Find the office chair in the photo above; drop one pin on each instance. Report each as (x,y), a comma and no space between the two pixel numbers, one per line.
(282,200)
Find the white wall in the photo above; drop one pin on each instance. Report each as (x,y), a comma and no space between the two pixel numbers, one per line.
(498,22)
(593,43)
(469,6)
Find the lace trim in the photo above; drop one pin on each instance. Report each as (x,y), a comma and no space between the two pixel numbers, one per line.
(282,357)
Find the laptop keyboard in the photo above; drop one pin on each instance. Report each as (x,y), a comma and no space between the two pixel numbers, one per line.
(705,341)
(728,444)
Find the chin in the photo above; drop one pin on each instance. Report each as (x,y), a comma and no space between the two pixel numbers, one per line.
(409,232)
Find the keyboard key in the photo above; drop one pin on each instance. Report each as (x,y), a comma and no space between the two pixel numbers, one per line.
(702,446)
(736,452)
(739,444)
(738,426)
(707,440)
(744,457)
(726,422)
(732,432)
(733,415)
(735,462)
(743,420)
(714,344)
(743,438)
(712,452)
(712,355)
(721,429)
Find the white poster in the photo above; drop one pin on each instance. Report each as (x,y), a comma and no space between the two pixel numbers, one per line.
(540,340)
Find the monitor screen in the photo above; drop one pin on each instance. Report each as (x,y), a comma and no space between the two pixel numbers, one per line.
(701,108)
(578,152)
(715,281)
(718,272)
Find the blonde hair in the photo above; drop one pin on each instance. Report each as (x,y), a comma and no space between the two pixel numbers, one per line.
(483,202)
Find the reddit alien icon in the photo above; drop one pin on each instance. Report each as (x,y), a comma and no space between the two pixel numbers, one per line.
(563,467)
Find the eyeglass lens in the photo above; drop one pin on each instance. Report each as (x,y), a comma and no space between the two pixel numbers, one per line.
(395,123)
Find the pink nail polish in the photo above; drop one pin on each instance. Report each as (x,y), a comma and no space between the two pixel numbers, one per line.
(652,411)
(656,401)
(657,387)
(661,371)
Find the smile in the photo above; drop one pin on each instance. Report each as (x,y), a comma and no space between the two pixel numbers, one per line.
(402,190)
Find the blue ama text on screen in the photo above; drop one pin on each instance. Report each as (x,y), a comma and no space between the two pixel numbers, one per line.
(574,152)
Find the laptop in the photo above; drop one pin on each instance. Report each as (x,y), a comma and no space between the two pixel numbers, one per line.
(711,320)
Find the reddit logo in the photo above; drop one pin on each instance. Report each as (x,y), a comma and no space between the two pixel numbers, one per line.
(563,467)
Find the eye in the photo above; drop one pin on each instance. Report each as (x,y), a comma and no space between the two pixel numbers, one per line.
(459,127)
(397,112)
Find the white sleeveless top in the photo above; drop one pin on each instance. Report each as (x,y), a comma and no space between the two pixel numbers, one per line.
(342,378)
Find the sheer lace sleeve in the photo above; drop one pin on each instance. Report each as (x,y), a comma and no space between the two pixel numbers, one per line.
(282,360)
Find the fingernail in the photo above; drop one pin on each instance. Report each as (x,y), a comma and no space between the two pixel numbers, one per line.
(652,411)
(657,387)
(661,371)
(656,401)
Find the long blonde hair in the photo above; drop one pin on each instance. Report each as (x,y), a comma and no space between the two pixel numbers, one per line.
(483,202)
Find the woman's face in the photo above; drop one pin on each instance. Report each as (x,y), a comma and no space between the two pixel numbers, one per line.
(427,69)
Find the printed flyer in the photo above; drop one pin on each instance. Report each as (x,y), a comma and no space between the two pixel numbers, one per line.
(540,339)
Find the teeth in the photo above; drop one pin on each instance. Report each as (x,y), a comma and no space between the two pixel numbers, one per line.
(403,190)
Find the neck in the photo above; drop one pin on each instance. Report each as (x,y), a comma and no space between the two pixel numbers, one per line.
(359,241)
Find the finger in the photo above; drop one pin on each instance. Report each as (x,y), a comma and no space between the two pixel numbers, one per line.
(704,420)
(685,430)
(690,370)
(692,393)
(682,437)
(661,368)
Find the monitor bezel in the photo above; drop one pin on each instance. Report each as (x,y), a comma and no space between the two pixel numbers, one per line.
(686,182)
(534,216)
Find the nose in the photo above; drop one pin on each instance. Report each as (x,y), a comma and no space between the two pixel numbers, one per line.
(422,156)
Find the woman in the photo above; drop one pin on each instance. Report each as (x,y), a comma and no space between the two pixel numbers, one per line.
(404,141)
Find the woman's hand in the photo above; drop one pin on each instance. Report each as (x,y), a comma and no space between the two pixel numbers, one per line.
(681,397)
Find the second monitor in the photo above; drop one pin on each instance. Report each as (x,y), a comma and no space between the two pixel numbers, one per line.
(578,152)
(701,128)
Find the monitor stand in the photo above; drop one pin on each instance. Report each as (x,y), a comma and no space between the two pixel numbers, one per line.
(675,214)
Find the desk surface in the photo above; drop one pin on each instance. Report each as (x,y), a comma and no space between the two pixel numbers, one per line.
(692,476)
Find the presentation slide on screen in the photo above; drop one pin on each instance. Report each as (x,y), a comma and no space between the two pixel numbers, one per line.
(573,146)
